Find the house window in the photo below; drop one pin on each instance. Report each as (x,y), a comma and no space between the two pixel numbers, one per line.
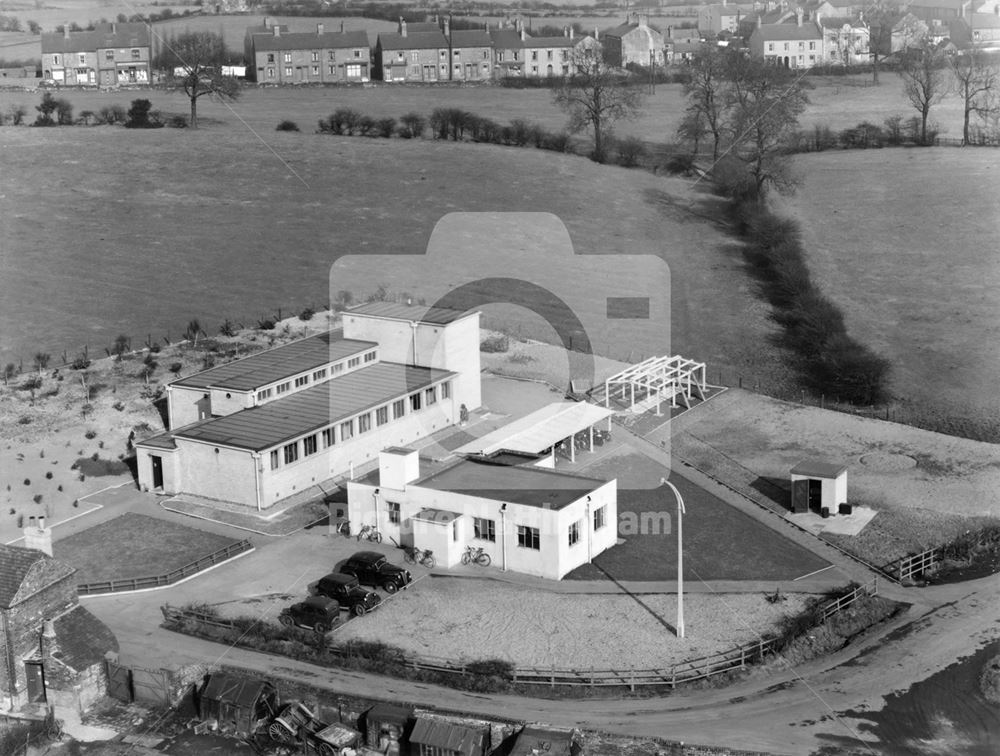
(55,60)
(109,54)
(346,430)
(309,445)
(291,452)
(393,507)
(414,56)
(315,56)
(370,357)
(444,53)
(786,46)
(283,387)
(287,58)
(486,54)
(83,58)
(263,394)
(302,380)
(354,361)
(565,54)
(364,423)
(270,73)
(565,70)
(516,55)
(135,54)
(528,537)
(484,530)
(274,460)
(270,57)
(357,53)
(446,390)
(549,56)
(431,396)
(574,533)
(812,45)
(534,69)
(398,409)
(534,54)
(455,53)
(600,517)
(288,70)
(770,46)
(500,56)
(329,437)
(353,69)
(338,368)
(381,416)
(331,55)
(802,45)
(414,402)
(315,70)
(332,69)
(319,375)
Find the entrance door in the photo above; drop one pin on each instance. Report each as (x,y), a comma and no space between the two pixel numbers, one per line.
(815,494)
(36,681)
(800,495)
(157,470)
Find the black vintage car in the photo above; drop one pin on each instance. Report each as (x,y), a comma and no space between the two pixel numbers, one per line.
(318,613)
(372,568)
(348,593)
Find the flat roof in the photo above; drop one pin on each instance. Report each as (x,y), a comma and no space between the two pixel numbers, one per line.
(817,468)
(313,408)
(272,365)
(531,486)
(443,516)
(411,313)
(539,430)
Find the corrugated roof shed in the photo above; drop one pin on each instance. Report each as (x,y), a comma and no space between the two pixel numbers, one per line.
(313,408)
(311,41)
(448,737)
(412,41)
(15,564)
(272,365)
(538,430)
(412,313)
(103,36)
(82,639)
(240,691)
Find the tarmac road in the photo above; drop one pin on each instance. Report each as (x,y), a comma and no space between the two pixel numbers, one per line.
(786,712)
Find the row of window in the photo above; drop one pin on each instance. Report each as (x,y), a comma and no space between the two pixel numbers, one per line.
(317,376)
(346,430)
(350,70)
(108,55)
(485,529)
(770,46)
(331,55)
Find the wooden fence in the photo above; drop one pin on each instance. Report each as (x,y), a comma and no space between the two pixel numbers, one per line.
(158,581)
(907,567)
(671,676)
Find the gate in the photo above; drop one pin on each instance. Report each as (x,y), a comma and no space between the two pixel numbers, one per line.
(119,681)
(151,686)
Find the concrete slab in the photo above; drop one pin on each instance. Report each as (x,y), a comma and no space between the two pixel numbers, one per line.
(851,524)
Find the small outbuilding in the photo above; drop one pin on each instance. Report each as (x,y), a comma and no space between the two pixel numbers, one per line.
(387,727)
(818,485)
(238,705)
(535,740)
(435,737)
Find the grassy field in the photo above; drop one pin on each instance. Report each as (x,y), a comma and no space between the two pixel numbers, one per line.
(904,241)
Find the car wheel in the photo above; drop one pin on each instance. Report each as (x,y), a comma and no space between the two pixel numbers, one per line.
(285,620)
(321,628)
(390,587)
(359,610)
(278,733)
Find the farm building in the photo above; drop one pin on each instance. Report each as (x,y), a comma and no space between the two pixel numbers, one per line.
(275,55)
(51,644)
(236,704)
(526,518)
(271,426)
(635,41)
(111,55)
(435,737)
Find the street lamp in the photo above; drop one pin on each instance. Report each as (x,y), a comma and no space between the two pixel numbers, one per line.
(680,557)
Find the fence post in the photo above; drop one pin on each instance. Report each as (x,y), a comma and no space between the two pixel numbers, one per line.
(631,678)
(552,680)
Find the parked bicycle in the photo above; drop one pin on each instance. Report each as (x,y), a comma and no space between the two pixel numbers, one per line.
(476,555)
(370,533)
(343,527)
(413,555)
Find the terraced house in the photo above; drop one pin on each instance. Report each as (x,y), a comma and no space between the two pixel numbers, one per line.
(274,425)
(111,55)
(417,52)
(275,55)
(798,44)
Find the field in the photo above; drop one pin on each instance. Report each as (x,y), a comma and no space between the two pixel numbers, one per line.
(909,254)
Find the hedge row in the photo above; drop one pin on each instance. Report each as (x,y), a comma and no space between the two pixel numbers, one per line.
(829,360)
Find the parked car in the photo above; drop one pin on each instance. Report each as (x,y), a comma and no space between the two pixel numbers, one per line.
(372,568)
(348,593)
(318,613)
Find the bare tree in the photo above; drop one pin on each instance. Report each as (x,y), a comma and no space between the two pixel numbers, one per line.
(705,91)
(977,81)
(925,81)
(200,56)
(881,18)
(597,97)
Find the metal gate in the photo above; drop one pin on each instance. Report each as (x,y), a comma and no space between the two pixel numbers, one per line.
(119,681)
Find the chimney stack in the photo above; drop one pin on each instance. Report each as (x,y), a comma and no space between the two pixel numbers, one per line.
(447,27)
(277,30)
(522,34)
(798,16)
(49,645)
(571,32)
(37,536)
(65,31)
(597,35)
(320,29)
(402,27)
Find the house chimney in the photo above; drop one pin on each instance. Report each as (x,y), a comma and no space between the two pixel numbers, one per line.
(597,35)
(447,27)
(798,16)
(402,27)
(819,18)
(320,29)
(277,30)
(522,34)
(37,536)
(758,22)
(49,644)
(65,31)
(571,32)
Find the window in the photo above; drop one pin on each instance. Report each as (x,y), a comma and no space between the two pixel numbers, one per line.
(315,56)
(786,45)
(309,445)
(287,58)
(812,45)
(357,53)
(486,54)
(288,70)
(331,55)
(319,375)
(444,53)
(83,58)
(338,368)
(549,56)
(332,69)
(574,533)
(263,394)
(109,54)
(302,380)
(352,69)
(370,357)
(414,402)
(364,423)
(283,387)
(534,54)
(135,54)
(381,416)
(534,69)
(398,409)
(315,70)
(270,57)
(55,60)
(484,530)
(802,45)
(565,54)
(600,517)
(329,437)
(354,361)
(458,66)
(291,452)
(270,73)
(393,507)
(414,56)
(516,54)
(446,390)
(565,70)
(455,53)
(528,537)
(274,459)
(346,430)
(500,56)
(431,395)
(770,46)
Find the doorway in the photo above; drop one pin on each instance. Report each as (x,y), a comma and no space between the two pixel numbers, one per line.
(157,463)
(35,674)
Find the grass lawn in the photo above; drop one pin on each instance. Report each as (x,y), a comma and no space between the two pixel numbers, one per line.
(720,542)
(133,546)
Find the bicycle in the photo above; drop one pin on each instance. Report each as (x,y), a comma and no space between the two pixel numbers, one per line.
(343,527)
(370,533)
(413,555)
(476,555)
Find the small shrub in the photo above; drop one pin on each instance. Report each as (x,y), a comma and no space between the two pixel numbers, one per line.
(24,420)
(495,344)
(27,481)
(385,127)
(119,405)
(680,164)
(80,363)
(48,475)
(557,142)
(412,126)
(365,127)
(287,125)
(59,488)
(307,314)
(90,434)
(177,122)
(520,132)
(112,114)
(139,117)
(37,498)
(630,151)
(175,367)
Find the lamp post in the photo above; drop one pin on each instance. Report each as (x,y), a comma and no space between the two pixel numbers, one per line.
(680,557)
(503,536)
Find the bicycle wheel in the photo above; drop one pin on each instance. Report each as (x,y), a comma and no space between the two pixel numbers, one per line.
(376,536)
(408,557)
(428,562)
(466,557)
(484,559)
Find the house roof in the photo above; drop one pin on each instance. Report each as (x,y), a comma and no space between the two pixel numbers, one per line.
(787,32)
(240,691)
(387,712)
(539,430)
(272,365)
(978,21)
(265,29)
(410,313)
(620,31)
(530,486)
(339,398)
(16,562)
(448,737)
(837,22)
(422,27)
(506,39)
(412,41)
(534,740)
(563,41)
(82,639)
(102,36)
(817,468)
(471,38)
(310,40)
